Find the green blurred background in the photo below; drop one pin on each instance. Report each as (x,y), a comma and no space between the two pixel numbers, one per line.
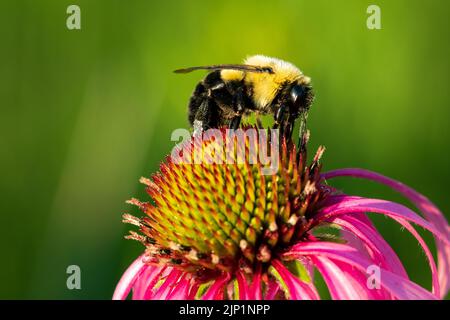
(85,113)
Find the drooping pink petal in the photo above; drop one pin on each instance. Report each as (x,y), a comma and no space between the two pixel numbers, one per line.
(400,287)
(272,289)
(249,291)
(296,288)
(352,240)
(128,278)
(181,289)
(349,205)
(215,292)
(150,283)
(242,285)
(193,290)
(309,268)
(340,285)
(359,280)
(255,288)
(381,251)
(145,280)
(169,283)
(343,204)
(428,209)
(429,255)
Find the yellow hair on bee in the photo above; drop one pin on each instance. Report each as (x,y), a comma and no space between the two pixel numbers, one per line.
(232,75)
(266,85)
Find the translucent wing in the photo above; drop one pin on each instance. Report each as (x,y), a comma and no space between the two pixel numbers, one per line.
(242,67)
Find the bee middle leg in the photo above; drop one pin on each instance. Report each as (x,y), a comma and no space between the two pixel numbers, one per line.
(207,115)
(239,106)
(235,122)
(259,123)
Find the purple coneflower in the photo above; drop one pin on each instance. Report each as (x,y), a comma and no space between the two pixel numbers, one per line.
(226,231)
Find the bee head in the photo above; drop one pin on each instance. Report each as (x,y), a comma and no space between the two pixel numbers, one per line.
(300,98)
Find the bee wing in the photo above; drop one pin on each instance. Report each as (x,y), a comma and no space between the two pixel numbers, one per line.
(242,67)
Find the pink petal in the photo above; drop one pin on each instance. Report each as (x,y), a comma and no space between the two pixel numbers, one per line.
(340,285)
(215,292)
(164,290)
(379,248)
(359,280)
(349,205)
(243,286)
(396,211)
(181,290)
(272,289)
(428,209)
(146,279)
(150,283)
(193,290)
(128,279)
(400,287)
(353,241)
(432,264)
(297,289)
(255,288)
(249,291)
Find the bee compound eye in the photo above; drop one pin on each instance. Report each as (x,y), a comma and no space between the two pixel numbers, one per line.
(297,93)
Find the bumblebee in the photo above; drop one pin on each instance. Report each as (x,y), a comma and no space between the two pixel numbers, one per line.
(261,85)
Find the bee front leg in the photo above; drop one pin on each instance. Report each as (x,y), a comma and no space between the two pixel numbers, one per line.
(288,128)
(303,132)
(281,116)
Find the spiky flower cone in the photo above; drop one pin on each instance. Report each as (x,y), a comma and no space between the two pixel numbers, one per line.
(219,227)
(214,217)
